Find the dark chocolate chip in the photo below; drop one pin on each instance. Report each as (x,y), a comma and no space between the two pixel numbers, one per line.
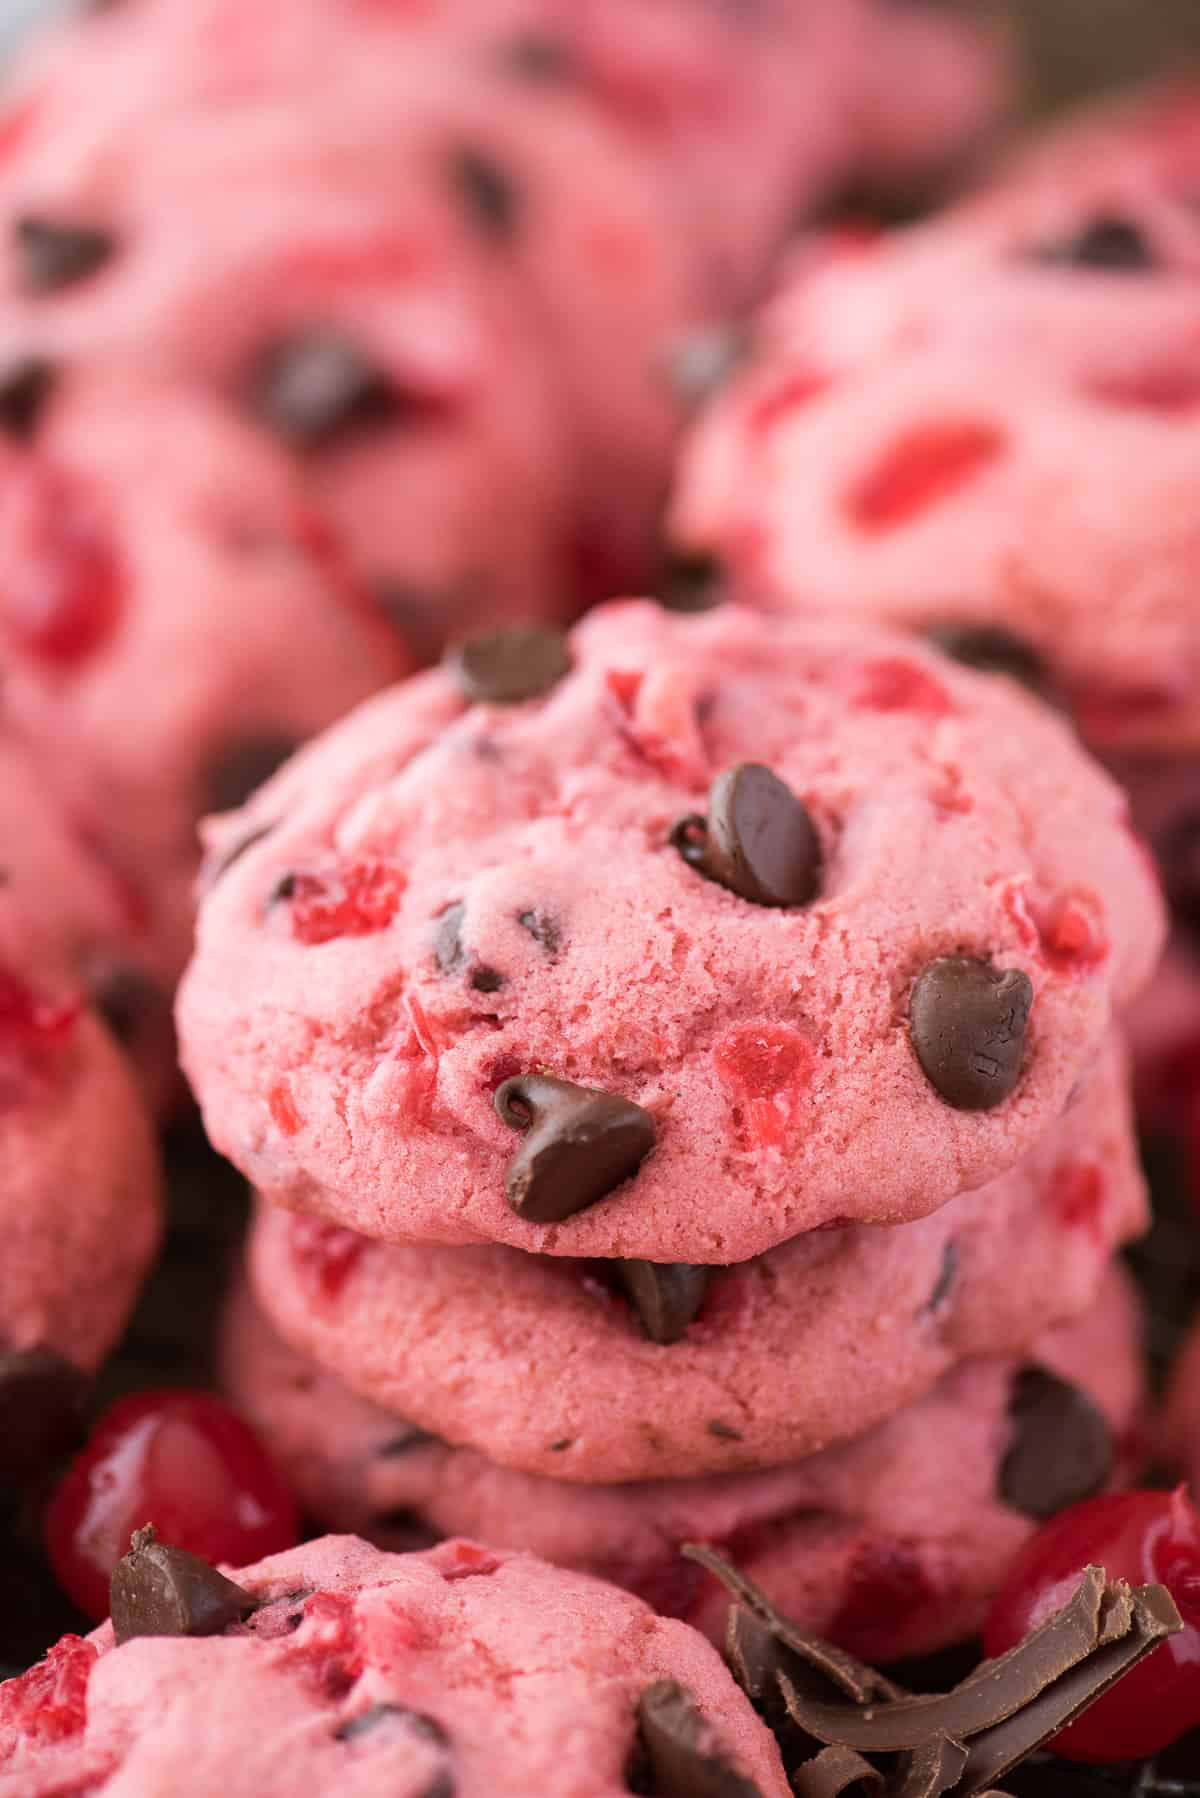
(404,1527)
(758,840)
(724,1432)
(1062,1449)
(135,1007)
(25,387)
(243,767)
(947,1274)
(993,651)
(316,385)
(682,1756)
(41,1411)
(1179,860)
(487,191)
(542,928)
(54,255)
(396,1447)
(1109,242)
(579,1145)
(540,60)
(157,1590)
(393,1718)
(967,1021)
(507,666)
(486,980)
(666,1296)
(692,583)
(447,939)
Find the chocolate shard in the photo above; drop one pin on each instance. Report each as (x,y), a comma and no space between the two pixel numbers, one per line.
(932,1769)
(834,1772)
(42,1396)
(580,1144)
(860,1683)
(666,1296)
(987,1697)
(25,386)
(684,1756)
(1062,1449)
(758,840)
(53,255)
(967,1022)
(157,1590)
(505,667)
(1152,1618)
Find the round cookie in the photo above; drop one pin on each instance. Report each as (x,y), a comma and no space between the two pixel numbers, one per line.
(891,1543)
(80,1186)
(546,1366)
(174,620)
(359,1673)
(444,896)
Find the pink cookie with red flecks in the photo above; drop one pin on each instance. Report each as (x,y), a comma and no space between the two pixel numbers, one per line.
(891,1543)
(358,1672)
(916,911)
(628,1371)
(174,620)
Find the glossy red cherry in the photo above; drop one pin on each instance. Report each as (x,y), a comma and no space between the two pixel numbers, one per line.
(182,1461)
(1142,1537)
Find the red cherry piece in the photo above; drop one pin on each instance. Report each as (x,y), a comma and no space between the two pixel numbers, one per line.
(282,1107)
(1072,940)
(324,1253)
(1079,1192)
(894,685)
(780,401)
(182,1461)
(327,1643)
(62,583)
(360,900)
(886,1585)
(768,1068)
(457,1559)
(1142,1537)
(49,1703)
(920,469)
(1168,389)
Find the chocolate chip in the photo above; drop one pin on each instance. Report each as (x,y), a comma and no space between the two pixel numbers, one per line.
(542,928)
(398,1446)
(489,194)
(692,583)
(447,938)
(758,840)
(947,1274)
(486,980)
(24,389)
(1062,1449)
(540,60)
(42,1396)
(682,1755)
(504,667)
(135,1007)
(667,1296)
(393,1718)
(55,255)
(157,1590)
(579,1145)
(724,1432)
(967,1022)
(243,767)
(1107,242)
(1179,860)
(404,1529)
(317,385)
(993,651)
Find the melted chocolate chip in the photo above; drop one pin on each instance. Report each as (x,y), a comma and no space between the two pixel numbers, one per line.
(24,389)
(967,1022)
(53,255)
(447,938)
(579,1145)
(1108,242)
(993,651)
(489,194)
(1179,860)
(41,1411)
(542,928)
(507,666)
(1062,1449)
(692,583)
(682,1755)
(315,386)
(486,980)
(157,1590)
(758,840)
(243,767)
(666,1296)
(724,1432)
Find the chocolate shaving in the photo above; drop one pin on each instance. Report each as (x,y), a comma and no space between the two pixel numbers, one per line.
(835,1771)
(683,1756)
(932,1769)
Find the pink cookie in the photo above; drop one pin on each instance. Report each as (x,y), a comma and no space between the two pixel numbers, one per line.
(891,1543)
(446,896)
(542,1366)
(79,1192)
(173,622)
(984,429)
(360,1673)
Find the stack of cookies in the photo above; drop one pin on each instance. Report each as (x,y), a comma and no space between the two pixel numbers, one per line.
(679,1068)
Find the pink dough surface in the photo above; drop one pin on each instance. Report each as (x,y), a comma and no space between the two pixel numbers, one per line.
(350,1075)
(891,1543)
(521,1677)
